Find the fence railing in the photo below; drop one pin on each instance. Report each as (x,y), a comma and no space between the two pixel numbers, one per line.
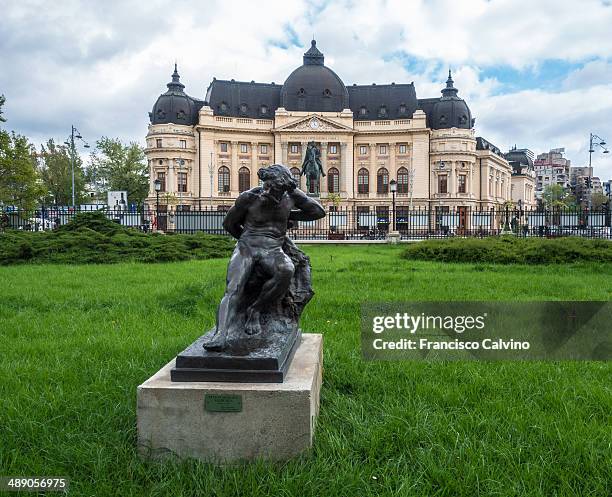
(350,223)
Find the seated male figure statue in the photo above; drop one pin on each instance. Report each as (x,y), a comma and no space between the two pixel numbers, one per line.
(259,220)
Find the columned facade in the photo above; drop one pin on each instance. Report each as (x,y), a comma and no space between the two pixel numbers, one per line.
(367,136)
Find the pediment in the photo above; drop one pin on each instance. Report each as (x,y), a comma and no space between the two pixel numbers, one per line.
(313,123)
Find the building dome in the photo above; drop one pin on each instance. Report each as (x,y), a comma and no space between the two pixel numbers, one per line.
(175,106)
(314,87)
(451,111)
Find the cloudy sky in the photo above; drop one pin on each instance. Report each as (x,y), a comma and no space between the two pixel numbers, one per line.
(536,73)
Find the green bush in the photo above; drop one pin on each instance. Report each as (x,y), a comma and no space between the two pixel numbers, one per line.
(511,250)
(92,238)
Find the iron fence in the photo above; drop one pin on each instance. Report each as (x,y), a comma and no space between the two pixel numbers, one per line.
(351,223)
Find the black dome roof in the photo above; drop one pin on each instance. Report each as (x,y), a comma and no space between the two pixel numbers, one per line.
(175,106)
(451,111)
(314,87)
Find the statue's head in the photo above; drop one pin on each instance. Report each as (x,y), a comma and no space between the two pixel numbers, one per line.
(277,177)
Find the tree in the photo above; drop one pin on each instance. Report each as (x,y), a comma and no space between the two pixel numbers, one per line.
(56,173)
(19,181)
(121,167)
(598,200)
(557,196)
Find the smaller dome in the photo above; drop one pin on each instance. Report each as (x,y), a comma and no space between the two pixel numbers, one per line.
(451,111)
(174,106)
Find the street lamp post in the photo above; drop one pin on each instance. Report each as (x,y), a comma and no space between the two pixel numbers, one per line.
(158,186)
(596,141)
(74,133)
(393,187)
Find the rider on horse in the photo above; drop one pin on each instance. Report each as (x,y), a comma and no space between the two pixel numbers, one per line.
(312,167)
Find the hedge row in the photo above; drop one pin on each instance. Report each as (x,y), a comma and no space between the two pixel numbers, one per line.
(92,238)
(511,250)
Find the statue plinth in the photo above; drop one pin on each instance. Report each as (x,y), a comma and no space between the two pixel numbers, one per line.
(221,422)
(259,359)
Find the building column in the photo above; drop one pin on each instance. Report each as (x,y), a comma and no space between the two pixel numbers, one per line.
(373,168)
(345,177)
(323,182)
(284,146)
(171,186)
(452,190)
(254,164)
(234,166)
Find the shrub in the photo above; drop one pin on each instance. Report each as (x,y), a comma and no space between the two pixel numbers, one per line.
(511,250)
(92,238)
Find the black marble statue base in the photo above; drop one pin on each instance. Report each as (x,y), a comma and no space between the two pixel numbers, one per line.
(254,359)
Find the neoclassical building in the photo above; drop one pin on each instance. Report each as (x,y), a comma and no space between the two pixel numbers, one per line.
(205,152)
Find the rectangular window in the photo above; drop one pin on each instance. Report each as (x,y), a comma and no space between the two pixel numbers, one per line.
(223,147)
(263,149)
(382,217)
(244,148)
(363,150)
(461,187)
(333,149)
(161,176)
(159,143)
(442,184)
(183,143)
(182,182)
(402,149)
(294,148)
(364,219)
(382,150)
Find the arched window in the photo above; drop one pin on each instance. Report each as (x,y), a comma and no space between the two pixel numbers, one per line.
(403,180)
(363,181)
(244,179)
(295,172)
(224,179)
(333,180)
(382,181)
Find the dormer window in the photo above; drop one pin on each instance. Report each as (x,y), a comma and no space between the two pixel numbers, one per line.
(180,115)
(301,92)
(223,107)
(382,112)
(442,119)
(402,109)
(243,108)
(161,114)
(463,119)
(363,111)
(327,92)
(264,109)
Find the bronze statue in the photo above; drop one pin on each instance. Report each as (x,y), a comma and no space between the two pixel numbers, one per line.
(312,167)
(268,277)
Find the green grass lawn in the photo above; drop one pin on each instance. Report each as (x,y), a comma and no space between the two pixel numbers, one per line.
(76,341)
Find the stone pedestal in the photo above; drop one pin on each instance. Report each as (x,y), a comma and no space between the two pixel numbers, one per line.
(229,422)
(394,237)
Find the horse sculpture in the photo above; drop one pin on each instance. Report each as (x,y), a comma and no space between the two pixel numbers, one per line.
(312,168)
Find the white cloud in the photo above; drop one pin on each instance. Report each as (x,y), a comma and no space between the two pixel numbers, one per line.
(102,65)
